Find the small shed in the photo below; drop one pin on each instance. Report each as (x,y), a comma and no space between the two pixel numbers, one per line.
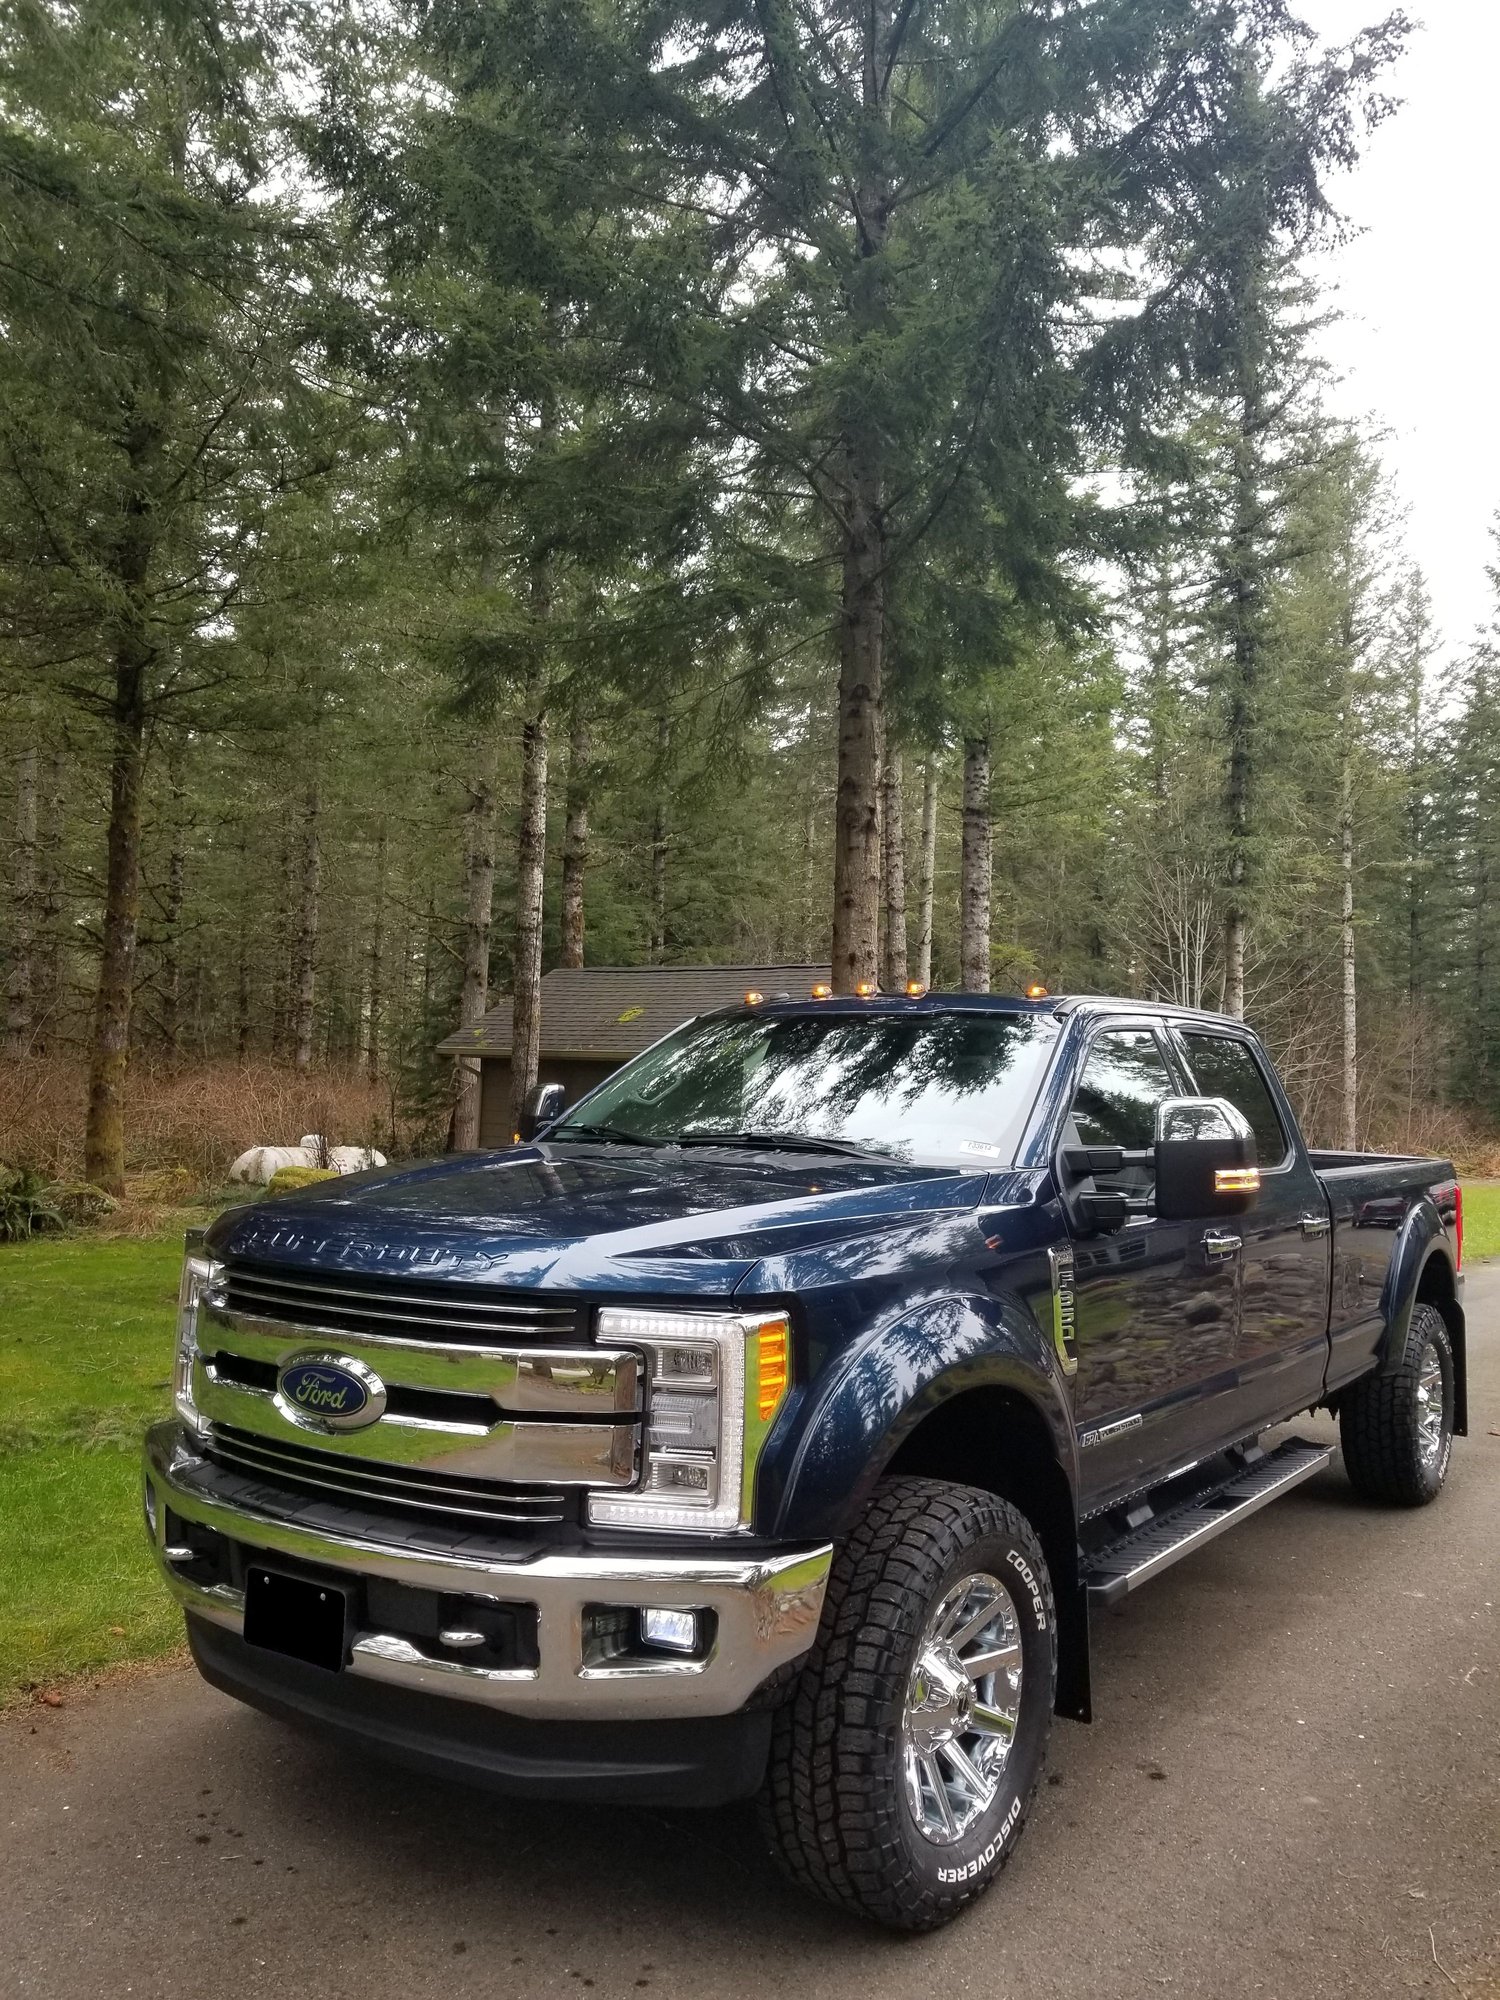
(595,1017)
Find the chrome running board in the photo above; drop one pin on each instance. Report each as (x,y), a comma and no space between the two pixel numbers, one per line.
(1166,1538)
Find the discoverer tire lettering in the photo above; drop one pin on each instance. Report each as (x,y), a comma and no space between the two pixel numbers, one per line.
(835,1806)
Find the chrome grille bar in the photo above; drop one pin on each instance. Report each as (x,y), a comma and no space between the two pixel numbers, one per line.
(391,1485)
(580,1382)
(338,1303)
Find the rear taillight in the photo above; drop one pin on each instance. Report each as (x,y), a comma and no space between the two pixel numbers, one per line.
(1458,1225)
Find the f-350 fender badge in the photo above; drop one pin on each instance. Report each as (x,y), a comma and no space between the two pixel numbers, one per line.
(1064,1311)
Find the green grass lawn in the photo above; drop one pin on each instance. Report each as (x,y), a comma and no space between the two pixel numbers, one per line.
(86,1329)
(1481,1219)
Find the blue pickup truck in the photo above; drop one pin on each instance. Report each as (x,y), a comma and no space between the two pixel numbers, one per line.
(770,1421)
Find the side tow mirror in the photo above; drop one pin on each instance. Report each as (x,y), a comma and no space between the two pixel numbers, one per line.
(544,1102)
(1205,1159)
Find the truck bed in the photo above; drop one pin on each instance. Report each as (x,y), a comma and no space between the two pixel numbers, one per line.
(1370,1196)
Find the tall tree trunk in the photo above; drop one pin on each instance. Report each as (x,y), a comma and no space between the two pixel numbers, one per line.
(133,654)
(308,900)
(1244,584)
(974,890)
(865,555)
(104,1131)
(375,962)
(479,897)
(856,847)
(575,857)
(1350,1091)
(893,832)
(242,1001)
(927,868)
(1415,833)
(531,863)
(19,986)
(47,991)
(807,899)
(244,931)
(171,963)
(661,840)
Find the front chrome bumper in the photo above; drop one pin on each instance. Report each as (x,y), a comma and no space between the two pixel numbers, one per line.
(766,1607)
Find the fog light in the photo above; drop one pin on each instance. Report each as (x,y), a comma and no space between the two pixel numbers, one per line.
(676,1631)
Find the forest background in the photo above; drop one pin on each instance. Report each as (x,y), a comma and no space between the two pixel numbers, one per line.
(490,484)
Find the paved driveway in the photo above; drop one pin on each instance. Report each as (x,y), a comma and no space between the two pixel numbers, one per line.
(1293,1788)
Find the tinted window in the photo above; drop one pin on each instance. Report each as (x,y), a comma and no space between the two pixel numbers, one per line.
(1123,1081)
(1225,1068)
(935,1088)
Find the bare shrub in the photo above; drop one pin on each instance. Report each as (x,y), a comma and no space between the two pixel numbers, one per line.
(185,1126)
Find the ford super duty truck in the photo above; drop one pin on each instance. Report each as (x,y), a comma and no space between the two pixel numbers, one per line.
(770,1421)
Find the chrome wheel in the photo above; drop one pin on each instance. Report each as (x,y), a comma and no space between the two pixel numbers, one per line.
(963,1701)
(1430,1406)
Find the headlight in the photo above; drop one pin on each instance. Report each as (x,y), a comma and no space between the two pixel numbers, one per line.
(714,1383)
(202,1282)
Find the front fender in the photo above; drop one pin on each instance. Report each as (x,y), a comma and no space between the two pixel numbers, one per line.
(883,1386)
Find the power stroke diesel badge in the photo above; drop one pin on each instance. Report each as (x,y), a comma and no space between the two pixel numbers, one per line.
(330,1392)
(1064,1322)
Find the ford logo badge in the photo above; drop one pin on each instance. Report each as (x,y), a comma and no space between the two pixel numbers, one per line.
(330,1392)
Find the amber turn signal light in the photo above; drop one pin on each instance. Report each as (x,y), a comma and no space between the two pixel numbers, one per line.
(773,1366)
(1236,1180)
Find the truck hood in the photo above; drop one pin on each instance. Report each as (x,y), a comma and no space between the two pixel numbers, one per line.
(596,1218)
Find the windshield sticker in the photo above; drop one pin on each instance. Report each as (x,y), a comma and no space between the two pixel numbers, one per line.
(978,1146)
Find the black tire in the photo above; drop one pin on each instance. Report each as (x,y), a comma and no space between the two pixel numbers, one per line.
(835,1805)
(1380,1422)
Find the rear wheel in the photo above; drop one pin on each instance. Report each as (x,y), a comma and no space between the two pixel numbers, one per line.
(903,1766)
(1397,1430)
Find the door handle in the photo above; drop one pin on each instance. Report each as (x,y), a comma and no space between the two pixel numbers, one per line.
(1220,1243)
(1315,1225)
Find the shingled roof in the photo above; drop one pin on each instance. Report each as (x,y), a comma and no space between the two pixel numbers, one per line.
(605,1011)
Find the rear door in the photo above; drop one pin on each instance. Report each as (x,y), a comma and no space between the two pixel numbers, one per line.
(1282,1351)
(1156,1307)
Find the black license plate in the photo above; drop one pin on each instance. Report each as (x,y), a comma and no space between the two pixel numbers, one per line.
(292,1615)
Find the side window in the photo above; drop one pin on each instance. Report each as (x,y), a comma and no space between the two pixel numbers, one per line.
(1123,1081)
(1224,1067)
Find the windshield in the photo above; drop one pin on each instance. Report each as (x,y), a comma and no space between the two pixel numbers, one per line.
(933,1089)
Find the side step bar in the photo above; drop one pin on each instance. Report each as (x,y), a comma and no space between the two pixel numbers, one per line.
(1166,1538)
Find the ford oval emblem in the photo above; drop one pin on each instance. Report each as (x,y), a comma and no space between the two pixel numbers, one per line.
(330,1392)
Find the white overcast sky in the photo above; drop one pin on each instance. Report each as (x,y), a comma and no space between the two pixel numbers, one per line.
(1419,349)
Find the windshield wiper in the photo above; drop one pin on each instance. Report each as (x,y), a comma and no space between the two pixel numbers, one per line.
(616,1133)
(786,1142)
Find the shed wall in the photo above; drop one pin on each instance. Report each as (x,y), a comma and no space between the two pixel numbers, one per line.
(575,1077)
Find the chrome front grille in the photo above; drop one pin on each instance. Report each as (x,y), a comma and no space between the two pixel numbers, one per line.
(383,1484)
(484,1405)
(410,1309)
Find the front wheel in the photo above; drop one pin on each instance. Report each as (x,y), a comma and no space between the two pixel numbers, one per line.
(905,1761)
(1396,1430)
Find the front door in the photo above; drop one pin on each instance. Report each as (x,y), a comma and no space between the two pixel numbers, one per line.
(1282,1352)
(1157,1302)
